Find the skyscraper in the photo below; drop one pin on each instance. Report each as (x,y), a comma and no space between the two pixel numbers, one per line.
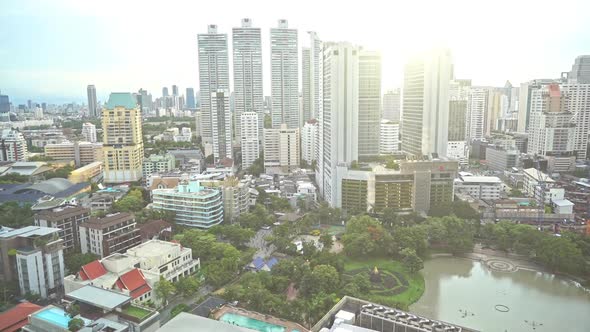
(311,77)
(122,139)
(426,104)
(284,76)
(477,109)
(309,134)
(190,98)
(580,72)
(339,120)
(89,132)
(213,74)
(369,94)
(247,60)
(165,91)
(4,104)
(92,105)
(174,90)
(250,138)
(457,146)
(391,105)
(221,125)
(144,100)
(579,105)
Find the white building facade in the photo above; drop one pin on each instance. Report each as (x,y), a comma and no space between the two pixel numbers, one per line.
(389,142)
(13,146)
(309,134)
(281,150)
(284,76)
(89,132)
(250,138)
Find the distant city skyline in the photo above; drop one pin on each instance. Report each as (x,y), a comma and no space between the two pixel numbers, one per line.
(43,58)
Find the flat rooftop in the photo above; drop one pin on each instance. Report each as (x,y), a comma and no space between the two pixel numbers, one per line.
(152,248)
(186,322)
(481,179)
(99,297)
(29,231)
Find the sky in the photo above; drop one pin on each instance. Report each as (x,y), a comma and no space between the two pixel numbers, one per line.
(51,50)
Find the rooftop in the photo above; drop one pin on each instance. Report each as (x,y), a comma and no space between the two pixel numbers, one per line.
(538,175)
(185,322)
(153,248)
(17,317)
(121,99)
(481,179)
(108,221)
(62,213)
(562,202)
(99,297)
(30,231)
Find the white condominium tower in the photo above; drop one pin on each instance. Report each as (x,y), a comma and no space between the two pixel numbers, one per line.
(476,110)
(247,61)
(457,147)
(309,134)
(213,73)
(89,132)
(92,104)
(221,125)
(311,77)
(284,76)
(250,138)
(579,105)
(391,105)
(339,119)
(369,94)
(426,103)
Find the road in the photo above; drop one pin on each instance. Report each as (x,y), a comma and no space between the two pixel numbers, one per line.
(264,250)
(192,302)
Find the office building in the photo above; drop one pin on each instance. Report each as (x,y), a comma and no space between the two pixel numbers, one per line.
(122,139)
(13,146)
(457,146)
(281,150)
(87,173)
(67,219)
(221,125)
(174,90)
(247,62)
(89,132)
(479,187)
(92,103)
(284,76)
(389,141)
(250,138)
(4,105)
(82,153)
(34,256)
(309,135)
(391,109)
(369,109)
(114,233)
(311,78)
(144,99)
(165,92)
(338,131)
(213,76)
(190,98)
(426,104)
(580,72)
(193,204)
(500,159)
(158,164)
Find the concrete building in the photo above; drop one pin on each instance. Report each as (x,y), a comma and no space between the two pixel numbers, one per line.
(580,72)
(170,260)
(479,187)
(235,193)
(158,164)
(193,204)
(579,105)
(338,131)
(247,63)
(457,146)
(250,138)
(539,185)
(221,125)
(426,104)
(311,78)
(281,150)
(13,146)
(122,139)
(190,99)
(309,136)
(284,61)
(369,109)
(391,109)
(389,141)
(34,256)
(114,233)
(477,110)
(213,74)
(89,132)
(499,159)
(92,103)
(67,220)
(88,173)
(81,153)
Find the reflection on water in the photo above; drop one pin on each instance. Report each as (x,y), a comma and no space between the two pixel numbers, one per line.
(465,292)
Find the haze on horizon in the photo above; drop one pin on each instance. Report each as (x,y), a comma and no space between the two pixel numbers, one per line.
(50,51)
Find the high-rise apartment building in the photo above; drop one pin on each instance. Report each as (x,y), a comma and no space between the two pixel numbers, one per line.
(92,103)
(425,116)
(174,90)
(67,220)
(89,132)
(391,105)
(311,78)
(122,139)
(457,144)
(579,105)
(339,119)
(221,125)
(281,150)
(165,91)
(477,109)
(369,109)
(247,62)
(389,142)
(250,139)
(284,76)
(309,135)
(190,98)
(114,233)
(213,75)
(580,72)
(157,164)
(13,146)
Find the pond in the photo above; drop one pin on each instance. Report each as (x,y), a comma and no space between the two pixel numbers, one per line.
(469,293)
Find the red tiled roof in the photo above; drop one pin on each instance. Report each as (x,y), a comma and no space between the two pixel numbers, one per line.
(17,317)
(92,270)
(134,282)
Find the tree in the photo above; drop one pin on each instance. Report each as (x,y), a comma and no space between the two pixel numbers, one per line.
(560,254)
(327,241)
(323,278)
(75,261)
(411,260)
(164,289)
(177,309)
(257,166)
(210,159)
(362,282)
(75,324)
(62,172)
(188,286)
(132,202)
(412,237)
(15,215)
(13,178)
(235,234)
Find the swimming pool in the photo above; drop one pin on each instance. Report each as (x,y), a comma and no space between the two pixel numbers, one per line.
(56,316)
(250,323)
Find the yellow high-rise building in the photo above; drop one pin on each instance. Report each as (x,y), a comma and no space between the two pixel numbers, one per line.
(122,139)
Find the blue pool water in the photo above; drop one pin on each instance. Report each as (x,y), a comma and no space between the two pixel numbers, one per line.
(55,316)
(250,323)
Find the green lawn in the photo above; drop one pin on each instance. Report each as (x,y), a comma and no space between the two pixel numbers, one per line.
(403,300)
(136,312)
